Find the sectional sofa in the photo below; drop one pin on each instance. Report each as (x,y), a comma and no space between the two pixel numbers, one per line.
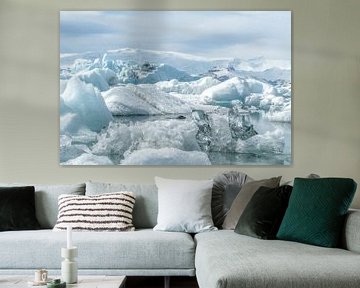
(219,259)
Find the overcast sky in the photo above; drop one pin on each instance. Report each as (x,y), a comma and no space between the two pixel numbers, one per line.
(203,33)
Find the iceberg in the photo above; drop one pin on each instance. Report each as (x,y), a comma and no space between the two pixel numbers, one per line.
(142,100)
(62,85)
(100,78)
(166,156)
(86,104)
(120,140)
(180,134)
(227,91)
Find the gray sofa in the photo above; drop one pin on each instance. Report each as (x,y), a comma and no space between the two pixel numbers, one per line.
(218,259)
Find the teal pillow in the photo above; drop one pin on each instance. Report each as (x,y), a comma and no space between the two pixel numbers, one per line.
(316,211)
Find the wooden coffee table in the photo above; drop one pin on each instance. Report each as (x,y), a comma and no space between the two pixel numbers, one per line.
(84,281)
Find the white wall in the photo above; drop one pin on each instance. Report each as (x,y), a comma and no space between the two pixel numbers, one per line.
(326,90)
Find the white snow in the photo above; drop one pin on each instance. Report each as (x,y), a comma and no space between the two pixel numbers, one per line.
(142,100)
(166,156)
(87,104)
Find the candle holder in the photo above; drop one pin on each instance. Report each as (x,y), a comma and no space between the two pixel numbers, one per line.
(69,271)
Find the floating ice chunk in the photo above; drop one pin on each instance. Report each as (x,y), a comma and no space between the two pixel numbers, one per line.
(272,142)
(143,100)
(116,139)
(194,87)
(283,115)
(174,133)
(87,104)
(70,151)
(100,78)
(229,90)
(220,133)
(89,159)
(166,156)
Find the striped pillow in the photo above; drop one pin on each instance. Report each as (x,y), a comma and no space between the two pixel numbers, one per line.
(105,212)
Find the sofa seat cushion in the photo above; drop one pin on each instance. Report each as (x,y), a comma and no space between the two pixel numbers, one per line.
(226,259)
(142,249)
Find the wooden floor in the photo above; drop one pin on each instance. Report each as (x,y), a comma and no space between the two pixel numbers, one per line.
(158,282)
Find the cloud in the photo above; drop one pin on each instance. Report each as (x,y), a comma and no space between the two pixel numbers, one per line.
(203,33)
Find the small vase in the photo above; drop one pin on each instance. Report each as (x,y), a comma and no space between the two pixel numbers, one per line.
(69,271)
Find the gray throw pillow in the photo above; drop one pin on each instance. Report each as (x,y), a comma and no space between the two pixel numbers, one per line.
(184,205)
(226,187)
(242,199)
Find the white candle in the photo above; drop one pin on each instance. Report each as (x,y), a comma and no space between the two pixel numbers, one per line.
(69,237)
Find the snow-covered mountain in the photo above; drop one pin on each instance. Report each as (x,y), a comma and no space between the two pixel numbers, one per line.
(194,65)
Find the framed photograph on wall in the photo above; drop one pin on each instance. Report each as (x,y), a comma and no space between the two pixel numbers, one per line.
(175,88)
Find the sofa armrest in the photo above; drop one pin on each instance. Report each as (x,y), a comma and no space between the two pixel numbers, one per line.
(351,234)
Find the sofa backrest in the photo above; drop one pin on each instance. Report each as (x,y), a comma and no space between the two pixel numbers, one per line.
(46,200)
(146,203)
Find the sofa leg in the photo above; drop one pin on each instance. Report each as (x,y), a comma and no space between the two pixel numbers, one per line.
(167,282)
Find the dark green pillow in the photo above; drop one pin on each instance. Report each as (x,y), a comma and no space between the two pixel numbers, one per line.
(17,208)
(264,212)
(316,211)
